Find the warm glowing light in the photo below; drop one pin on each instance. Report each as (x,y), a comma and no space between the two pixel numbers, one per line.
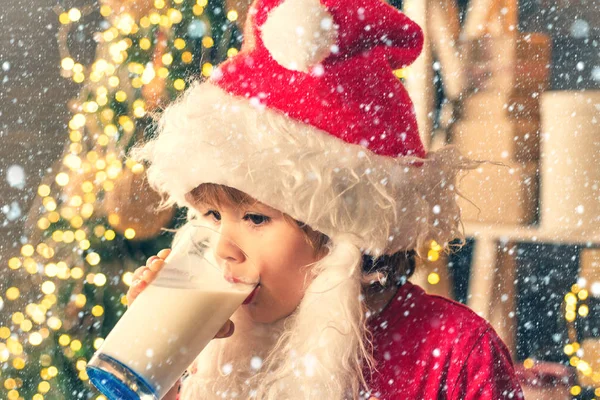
(64,340)
(114,219)
(179,84)
(167,59)
(232,52)
(64,18)
(207,69)
(433,255)
(44,190)
(51,270)
(179,44)
(54,323)
(14,263)
(52,371)
(128,278)
(19,363)
(98,342)
(105,10)
(48,287)
(80,300)
(175,16)
(35,338)
(129,233)
(74,14)
(232,15)
(67,63)
(12,293)
(97,311)
(62,179)
(99,279)
(433,278)
(186,57)
(570,298)
(208,42)
(77,273)
(145,44)
(75,345)
(93,258)
(27,250)
(110,234)
(120,96)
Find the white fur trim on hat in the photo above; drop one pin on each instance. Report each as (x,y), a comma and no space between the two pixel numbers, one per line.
(299,34)
(385,204)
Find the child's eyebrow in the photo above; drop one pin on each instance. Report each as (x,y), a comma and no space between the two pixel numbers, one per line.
(260,206)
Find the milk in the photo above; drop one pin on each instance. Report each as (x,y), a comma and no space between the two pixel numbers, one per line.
(166,328)
(172,320)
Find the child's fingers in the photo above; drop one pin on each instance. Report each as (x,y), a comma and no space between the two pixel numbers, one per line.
(156,265)
(134,291)
(148,275)
(226,331)
(164,253)
(137,274)
(150,260)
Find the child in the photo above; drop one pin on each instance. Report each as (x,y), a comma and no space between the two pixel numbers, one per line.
(304,150)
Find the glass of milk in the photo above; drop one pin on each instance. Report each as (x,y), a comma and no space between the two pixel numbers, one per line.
(173,319)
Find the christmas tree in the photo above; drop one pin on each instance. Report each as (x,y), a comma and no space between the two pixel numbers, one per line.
(95,218)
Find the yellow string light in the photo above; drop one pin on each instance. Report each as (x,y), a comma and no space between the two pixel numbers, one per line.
(187,57)
(105,10)
(208,42)
(75,345)
(14,263)
(64,19)
(575,305)
(179,44)
(207,69)
(74,14)
(12,293)
(197,10)
(433,278)
(232,52)
(232,15)
(88,172)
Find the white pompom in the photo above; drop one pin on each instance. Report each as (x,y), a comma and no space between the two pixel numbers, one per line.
(299,34)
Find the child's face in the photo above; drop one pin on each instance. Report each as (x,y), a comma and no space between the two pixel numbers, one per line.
(273,245)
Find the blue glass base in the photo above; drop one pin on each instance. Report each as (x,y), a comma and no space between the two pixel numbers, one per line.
(117,381)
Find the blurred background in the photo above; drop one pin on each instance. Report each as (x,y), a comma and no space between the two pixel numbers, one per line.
(513,82)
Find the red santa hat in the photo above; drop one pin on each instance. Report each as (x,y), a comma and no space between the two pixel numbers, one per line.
(310,119)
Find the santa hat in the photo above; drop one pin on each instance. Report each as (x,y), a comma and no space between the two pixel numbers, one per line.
(310,119)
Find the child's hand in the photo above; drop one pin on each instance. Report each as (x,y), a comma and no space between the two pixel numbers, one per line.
(144,275)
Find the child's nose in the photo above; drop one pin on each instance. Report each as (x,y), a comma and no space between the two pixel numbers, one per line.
(228,250)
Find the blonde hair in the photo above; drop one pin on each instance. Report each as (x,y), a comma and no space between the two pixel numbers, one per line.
(217,195)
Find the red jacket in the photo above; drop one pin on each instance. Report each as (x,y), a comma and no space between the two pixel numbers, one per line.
(429,347)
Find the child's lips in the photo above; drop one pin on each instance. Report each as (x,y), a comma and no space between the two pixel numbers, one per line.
(232,279)
(251,295)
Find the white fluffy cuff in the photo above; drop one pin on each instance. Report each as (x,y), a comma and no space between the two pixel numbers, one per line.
(382,204)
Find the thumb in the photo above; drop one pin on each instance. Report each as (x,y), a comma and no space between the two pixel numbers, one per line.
(226,331)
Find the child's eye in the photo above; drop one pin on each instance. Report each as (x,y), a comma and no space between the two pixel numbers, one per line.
(215,214)
(257,219)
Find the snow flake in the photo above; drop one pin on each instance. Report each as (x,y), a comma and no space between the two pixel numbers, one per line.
(227,368)
(15,175)
(256,362)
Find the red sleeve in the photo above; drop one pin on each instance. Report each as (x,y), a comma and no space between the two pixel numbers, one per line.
(488,372)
